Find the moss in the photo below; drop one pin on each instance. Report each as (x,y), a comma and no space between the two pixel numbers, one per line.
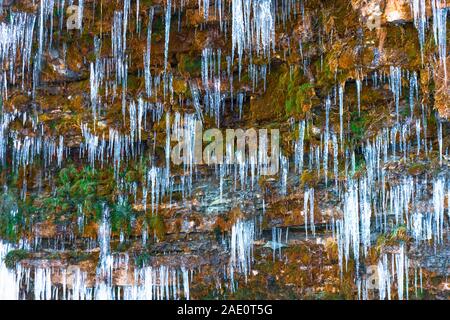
(308,178)
(142,259)
(360,165)
(416,169)
(358,125)
(397,236)
(15,256)
(323,295)
(147,3)
(190,64)
(299,99)
(121,216)
(78,256)
(291,94)
(157,225)
(77,188)
(325,77)
(9,216)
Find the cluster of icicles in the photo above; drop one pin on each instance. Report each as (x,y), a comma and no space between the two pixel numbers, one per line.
(381,200)
(57,283)
(25,149)
(439,26)
(253,31)
(368,202)
(72,283)
(377,200)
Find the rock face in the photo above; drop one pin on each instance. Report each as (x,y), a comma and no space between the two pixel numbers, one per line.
(95,104)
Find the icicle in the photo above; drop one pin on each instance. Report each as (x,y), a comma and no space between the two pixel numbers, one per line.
(241,248)
(418,128)
(440,31)
(358,93)
(438,203)
(309,207)
(326,139)
(94,84)
(413,92)
(80,15)
(299,148)
(147,56)
(439,125)
(284,163)
(420,21)
(341,114)
(335,162)
(168,15)
(396,86)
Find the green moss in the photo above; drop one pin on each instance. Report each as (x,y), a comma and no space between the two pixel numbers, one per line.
(308,178)
(290,95)
(325,77)
(416,169)
(358,125)
(397,236)
(121,216)
(156,224)
(10,218)
(190,63)
(15,256)
(298,96)
(78,256)
(142,259)
(323,295)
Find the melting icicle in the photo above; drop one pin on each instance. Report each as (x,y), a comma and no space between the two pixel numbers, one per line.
(299,148)
(396,86)
(341,115)
(167,33)
(309,207)
(438,203)
(147,56)
(420,21)
(326,139)
(358,93)
(440,141)
(241,248)
(440,31)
